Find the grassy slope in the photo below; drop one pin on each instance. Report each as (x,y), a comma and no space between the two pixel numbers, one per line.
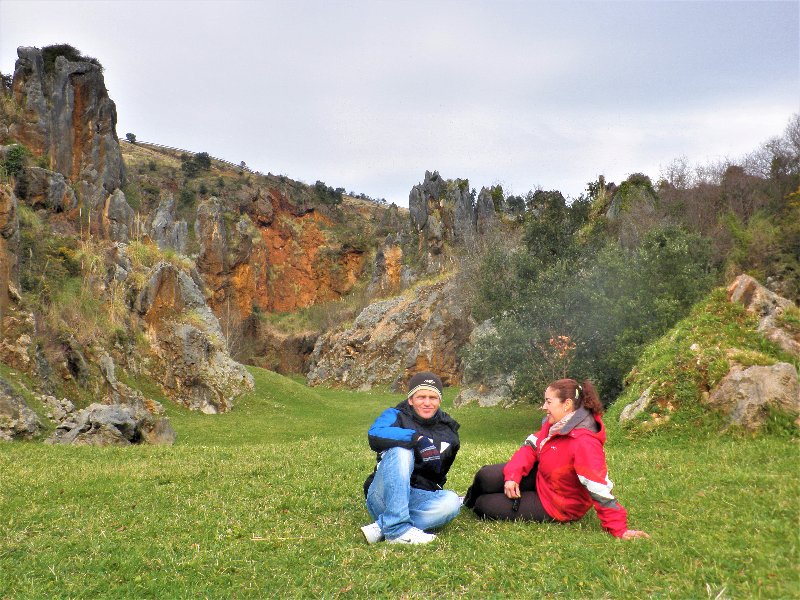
(266,502)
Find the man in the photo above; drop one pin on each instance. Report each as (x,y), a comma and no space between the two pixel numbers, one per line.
(416,443)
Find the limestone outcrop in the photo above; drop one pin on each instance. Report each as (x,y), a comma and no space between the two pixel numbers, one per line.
(166,231)
(443,212)
(192,362)
(112,425)
(17,420)
(422,330)
(747,394)
(43,188)
(389,275)
(9,247)
(69,118)
(769,307)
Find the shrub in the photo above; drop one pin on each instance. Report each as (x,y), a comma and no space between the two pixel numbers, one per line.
(203,160)
(16,159)
(50,53)
(609,303)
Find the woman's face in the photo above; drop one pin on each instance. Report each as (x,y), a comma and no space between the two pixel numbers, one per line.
(554,406)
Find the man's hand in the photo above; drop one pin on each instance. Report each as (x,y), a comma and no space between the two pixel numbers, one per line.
(511,489)
(431,457)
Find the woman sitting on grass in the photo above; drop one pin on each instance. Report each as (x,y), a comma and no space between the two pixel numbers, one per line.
(560,471)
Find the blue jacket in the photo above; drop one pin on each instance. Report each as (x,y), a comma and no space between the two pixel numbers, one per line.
(401,426)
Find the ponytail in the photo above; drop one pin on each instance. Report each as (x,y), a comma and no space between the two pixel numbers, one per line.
(582,396)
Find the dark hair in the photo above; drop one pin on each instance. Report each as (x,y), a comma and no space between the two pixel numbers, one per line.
(581,395)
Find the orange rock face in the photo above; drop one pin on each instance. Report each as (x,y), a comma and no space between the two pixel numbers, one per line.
(302,269)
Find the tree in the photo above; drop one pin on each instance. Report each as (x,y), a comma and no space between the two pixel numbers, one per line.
(131,137)
(203,160)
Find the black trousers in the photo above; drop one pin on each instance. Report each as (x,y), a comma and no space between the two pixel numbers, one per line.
(485,496)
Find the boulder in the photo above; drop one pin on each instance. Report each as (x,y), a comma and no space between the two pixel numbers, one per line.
(746,394)
(112,425)
(422,330)
(496,391)
(17,420)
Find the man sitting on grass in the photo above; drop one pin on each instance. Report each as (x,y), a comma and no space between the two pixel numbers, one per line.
(416,443)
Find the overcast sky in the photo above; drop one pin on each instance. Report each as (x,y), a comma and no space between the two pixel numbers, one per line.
(368,94)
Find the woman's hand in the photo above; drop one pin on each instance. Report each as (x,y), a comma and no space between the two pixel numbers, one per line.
(511,489)
(633,533)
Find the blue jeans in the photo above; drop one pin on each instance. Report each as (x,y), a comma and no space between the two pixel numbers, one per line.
(396,506)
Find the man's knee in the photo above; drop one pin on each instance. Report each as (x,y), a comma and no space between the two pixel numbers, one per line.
(451,503)
(402,456)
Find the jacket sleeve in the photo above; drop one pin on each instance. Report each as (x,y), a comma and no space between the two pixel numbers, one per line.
(590,467)
(521,463)
(384,433)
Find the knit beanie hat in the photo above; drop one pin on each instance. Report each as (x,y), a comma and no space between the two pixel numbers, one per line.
(425,380)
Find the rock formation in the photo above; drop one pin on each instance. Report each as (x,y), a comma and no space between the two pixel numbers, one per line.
(769,307)
(389,275)
(112,425)
(165,231)
(17,420)
(191,358)
(9,246)
(42,188)
(443,213)
(747,394)
(422,330)
(69,118)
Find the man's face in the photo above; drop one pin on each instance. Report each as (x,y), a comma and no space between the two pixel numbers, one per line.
(425,403)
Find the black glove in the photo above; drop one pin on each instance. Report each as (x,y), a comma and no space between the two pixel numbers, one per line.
(430,453)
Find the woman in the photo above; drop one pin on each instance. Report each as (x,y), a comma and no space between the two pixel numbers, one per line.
(560,472)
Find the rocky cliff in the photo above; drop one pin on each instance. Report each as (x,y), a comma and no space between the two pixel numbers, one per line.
(420,330)
(446,216)
(193,255)
(68,119)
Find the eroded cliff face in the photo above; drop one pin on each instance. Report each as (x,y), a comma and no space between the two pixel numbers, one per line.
(448,218)
(69,119)
(279,264)
(421,330)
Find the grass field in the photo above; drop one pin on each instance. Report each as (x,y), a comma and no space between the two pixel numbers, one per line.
(266,502)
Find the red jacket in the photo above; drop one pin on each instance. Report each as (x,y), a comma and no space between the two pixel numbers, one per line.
(572,474)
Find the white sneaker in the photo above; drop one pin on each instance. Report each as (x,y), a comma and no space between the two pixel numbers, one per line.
(372,532)
(413,536)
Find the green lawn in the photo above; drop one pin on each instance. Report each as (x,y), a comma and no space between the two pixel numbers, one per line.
(266,502)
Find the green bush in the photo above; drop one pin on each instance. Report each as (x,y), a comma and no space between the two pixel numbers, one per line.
(608,303)
(16,158)
(50,53)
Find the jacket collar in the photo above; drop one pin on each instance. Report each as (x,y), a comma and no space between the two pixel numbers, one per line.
(439,417)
